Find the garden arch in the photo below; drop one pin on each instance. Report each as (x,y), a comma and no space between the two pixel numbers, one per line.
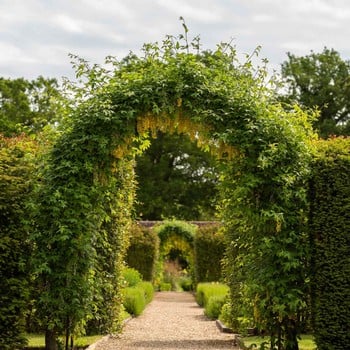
(85,202)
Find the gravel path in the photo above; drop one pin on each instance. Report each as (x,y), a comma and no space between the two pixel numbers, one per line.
(171,321)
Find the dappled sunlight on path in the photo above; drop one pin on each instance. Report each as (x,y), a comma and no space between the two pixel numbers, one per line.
(172,321)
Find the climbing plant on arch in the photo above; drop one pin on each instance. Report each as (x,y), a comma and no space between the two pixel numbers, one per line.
(85,201)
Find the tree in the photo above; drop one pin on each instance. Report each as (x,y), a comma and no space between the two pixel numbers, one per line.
(321,80)
(27,106)
(176,179)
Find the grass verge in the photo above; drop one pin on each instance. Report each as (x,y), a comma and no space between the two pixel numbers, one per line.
(306,342)
(38,340)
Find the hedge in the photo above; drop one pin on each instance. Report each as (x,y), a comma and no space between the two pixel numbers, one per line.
(137,297)
(209,249)
(16,169)
(142,253)
(330,242)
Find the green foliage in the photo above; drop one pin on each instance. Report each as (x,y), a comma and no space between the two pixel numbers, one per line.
(29,106)
(38,341)
(134,300)
(209,249)
(185,283)
(148,290)
(321,80)
(165,287)
(131,277)
(330,241)
(88,186)
(137,297)
(306,342)
(169,228)
(143,251)
(176,179)
(206,290)
(214,306)
(17,164)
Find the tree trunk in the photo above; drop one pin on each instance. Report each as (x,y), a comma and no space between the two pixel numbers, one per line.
(50,340)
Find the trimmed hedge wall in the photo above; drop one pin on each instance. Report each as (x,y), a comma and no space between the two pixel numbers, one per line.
(16,172)
(209,249)
(142,253)
(330,242)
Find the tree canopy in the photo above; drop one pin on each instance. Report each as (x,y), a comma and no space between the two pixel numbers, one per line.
(176,179)
(29,106)
(322,81)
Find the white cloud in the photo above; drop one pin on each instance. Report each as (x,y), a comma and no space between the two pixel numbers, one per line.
(67,23)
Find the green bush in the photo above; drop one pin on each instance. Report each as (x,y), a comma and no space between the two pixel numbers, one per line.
(186,283)
(214,306)
(209,249)
(137,297)
(330,243)
(134,300)
(131,277)
(206,290)
(165,287)
(143,250)
(148,290)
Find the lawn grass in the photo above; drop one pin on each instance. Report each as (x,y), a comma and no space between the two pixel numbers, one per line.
(38,340)
(306,342)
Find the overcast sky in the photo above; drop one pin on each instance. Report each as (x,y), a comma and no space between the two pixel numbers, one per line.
(36,36)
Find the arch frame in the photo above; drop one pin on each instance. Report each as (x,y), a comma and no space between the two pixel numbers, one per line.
(85,201)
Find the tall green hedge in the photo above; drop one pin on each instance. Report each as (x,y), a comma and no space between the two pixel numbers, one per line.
(209,249)
(15,174)
(330,241)
(142,253)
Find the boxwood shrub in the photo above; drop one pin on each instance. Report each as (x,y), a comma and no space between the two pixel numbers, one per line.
(330,242)
(206,290)
(214,306)
(137,297)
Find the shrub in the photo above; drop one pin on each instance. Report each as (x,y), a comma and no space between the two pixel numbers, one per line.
(137,297)
(214,306)
(206,290)
(148,290)
(330,243)
(165,287)
(209,249)
(143,250)
(134,300)
(185,283)
(131,277)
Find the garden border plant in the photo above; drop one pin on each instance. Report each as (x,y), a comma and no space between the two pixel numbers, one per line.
(87,189)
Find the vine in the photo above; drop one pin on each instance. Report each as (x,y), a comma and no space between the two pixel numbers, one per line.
(226,107)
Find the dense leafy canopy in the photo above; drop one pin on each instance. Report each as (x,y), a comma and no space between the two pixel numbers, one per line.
(29,106)
(321,80)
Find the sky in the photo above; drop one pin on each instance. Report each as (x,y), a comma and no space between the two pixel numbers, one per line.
(37,36)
